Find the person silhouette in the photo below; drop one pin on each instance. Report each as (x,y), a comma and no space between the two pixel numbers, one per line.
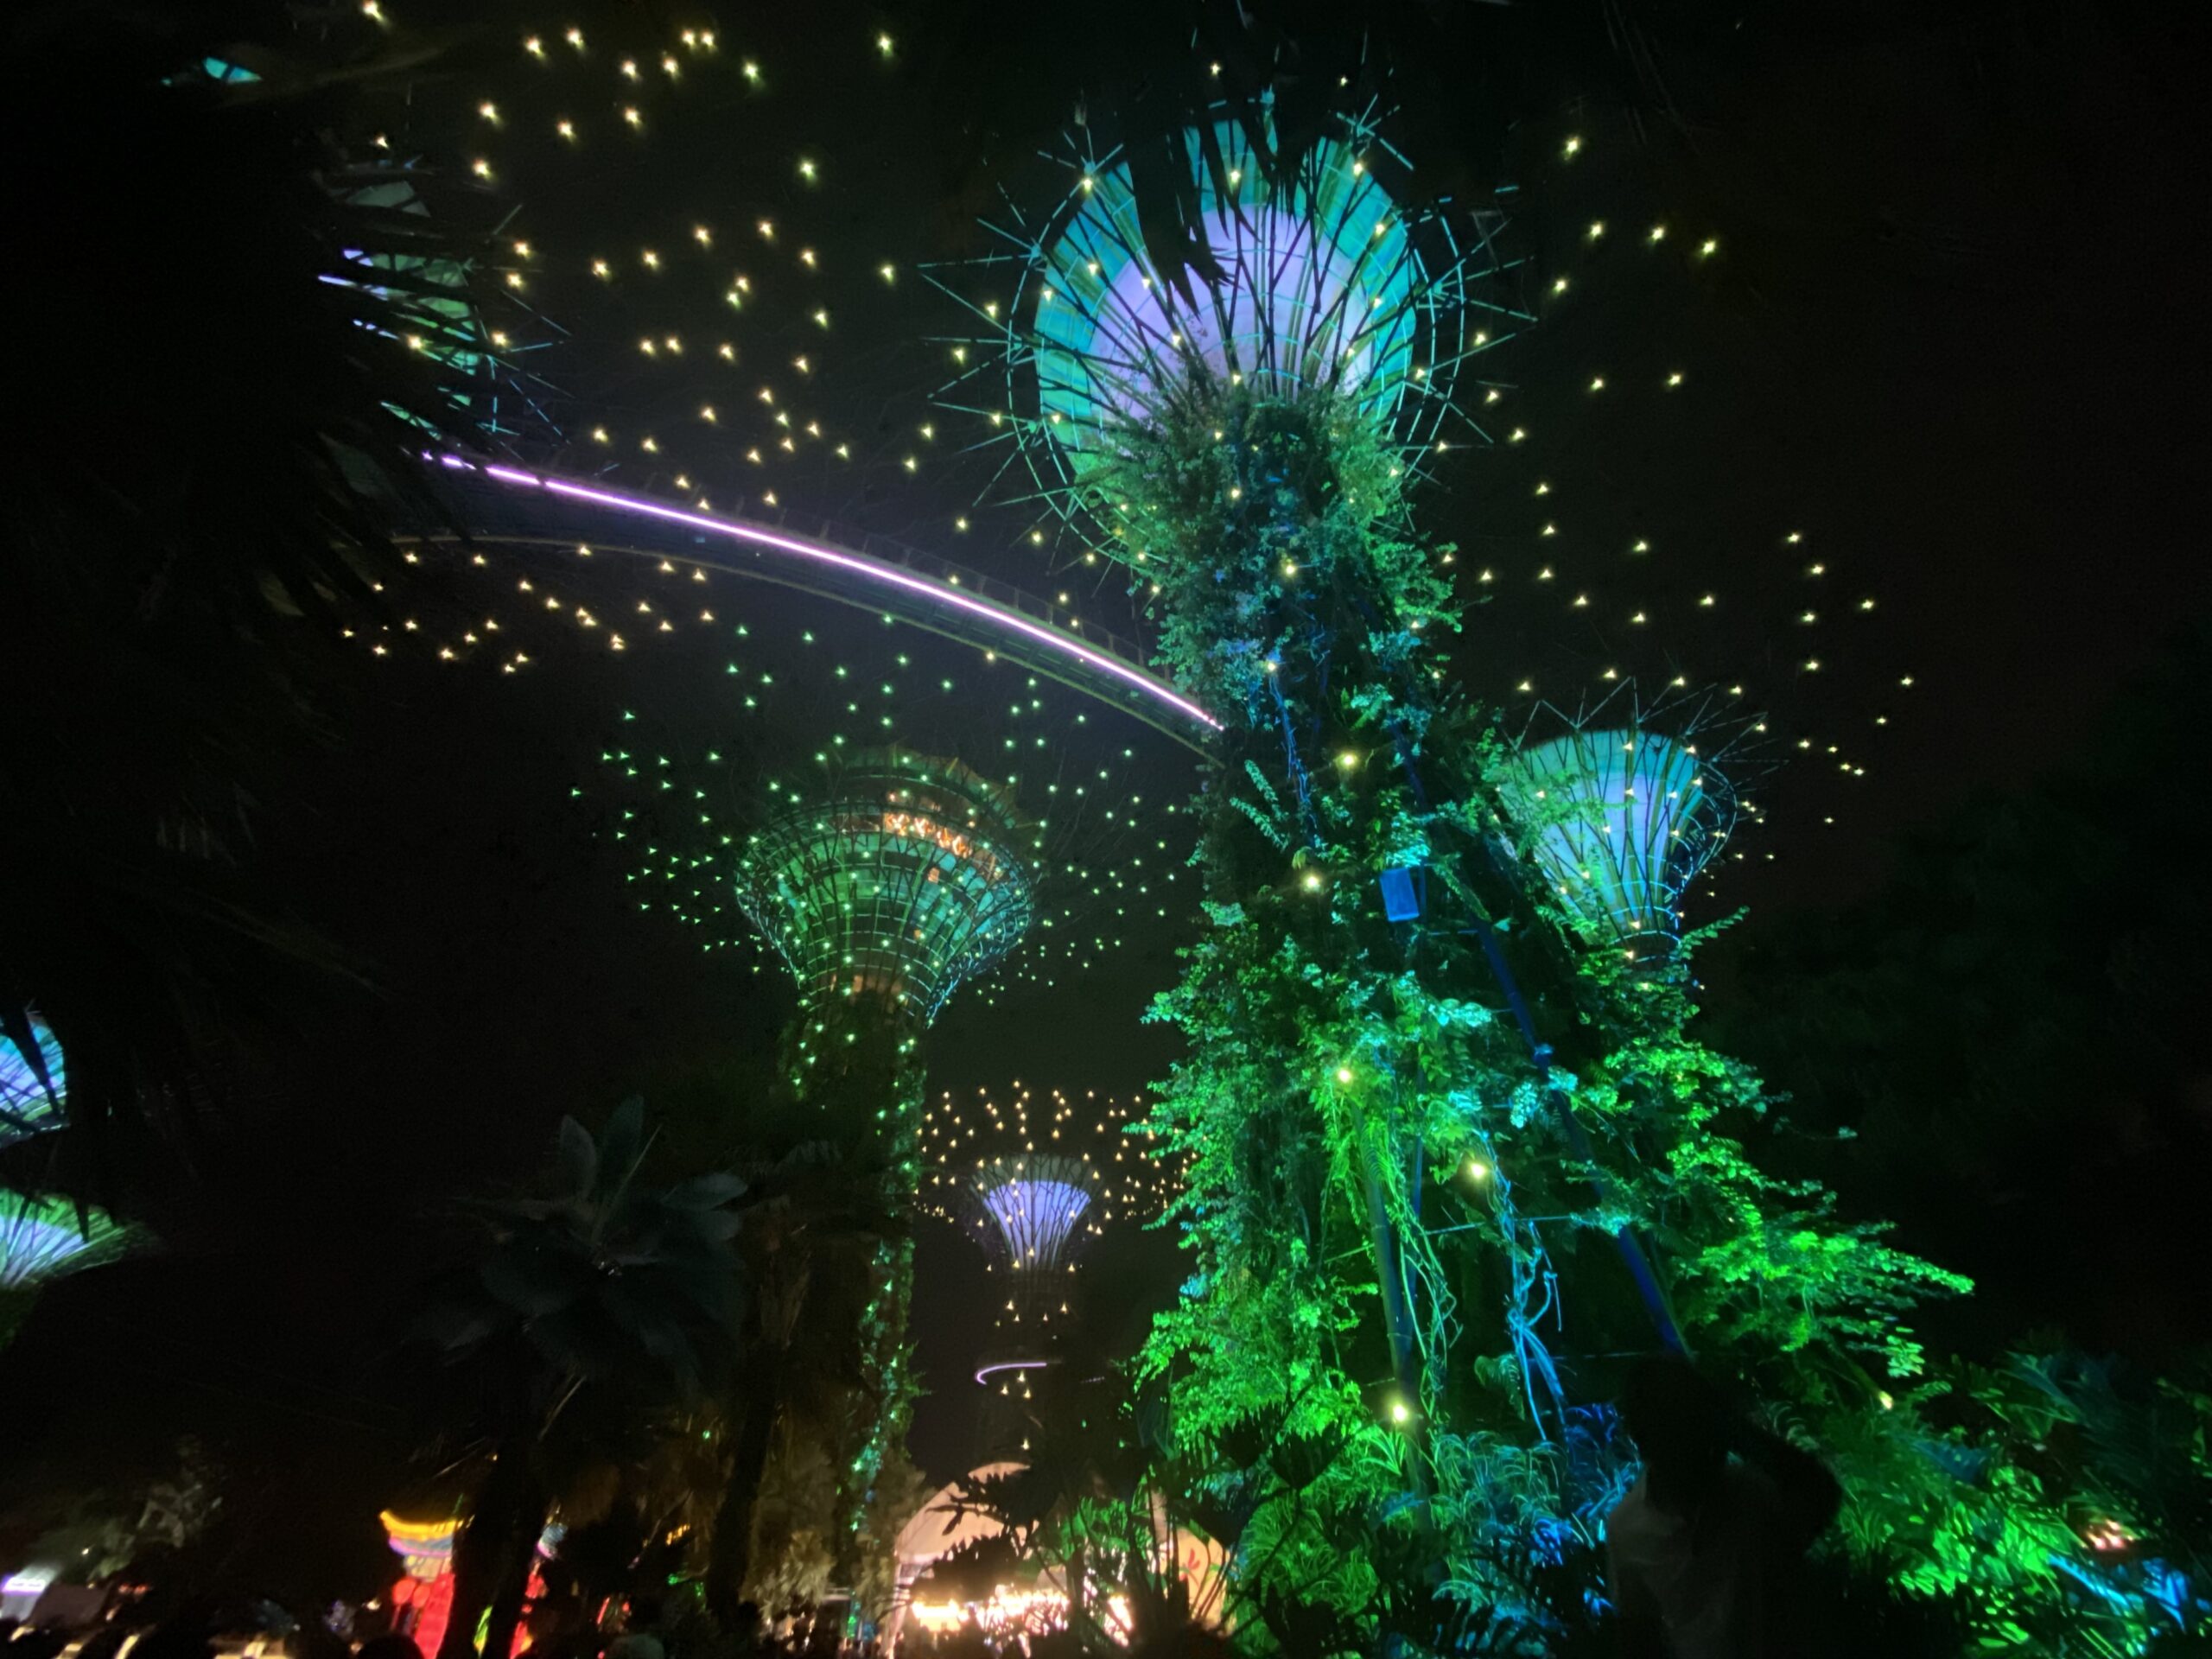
(1701,1551)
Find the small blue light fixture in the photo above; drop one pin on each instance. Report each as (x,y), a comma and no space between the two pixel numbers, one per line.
(1404,893)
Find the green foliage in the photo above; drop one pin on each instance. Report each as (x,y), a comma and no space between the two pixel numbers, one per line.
(1261,1526)
(589,1312)
(1402,1229)
(1238,500)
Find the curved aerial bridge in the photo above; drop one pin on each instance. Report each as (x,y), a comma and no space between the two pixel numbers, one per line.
(508,507)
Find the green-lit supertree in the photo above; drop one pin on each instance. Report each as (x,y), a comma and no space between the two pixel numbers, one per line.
(906,877)
(796,794)
(1428,1080)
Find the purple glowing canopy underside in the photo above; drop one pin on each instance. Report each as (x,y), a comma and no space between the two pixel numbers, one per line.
(1036,1218)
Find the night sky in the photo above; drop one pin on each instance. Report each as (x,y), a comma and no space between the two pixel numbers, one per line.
(1943,339)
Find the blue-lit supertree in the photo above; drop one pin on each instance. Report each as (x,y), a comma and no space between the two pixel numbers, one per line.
(1031,1215)
(31,1092)
(41,1237)
(1033,1184)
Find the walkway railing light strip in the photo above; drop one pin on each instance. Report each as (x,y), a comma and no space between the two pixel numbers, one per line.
(937,593)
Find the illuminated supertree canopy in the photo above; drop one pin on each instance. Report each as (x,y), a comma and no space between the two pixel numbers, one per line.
(1621,817)
(1325,285)
(832,796)
(42,1239)
(1032,1183)
(1032,1215)
(27,1102)
(906,879)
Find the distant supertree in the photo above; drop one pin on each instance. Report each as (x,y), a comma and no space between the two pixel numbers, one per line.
(42,1238)
(1033,1217)
(1032,1183)
(908,877)
(1623,808)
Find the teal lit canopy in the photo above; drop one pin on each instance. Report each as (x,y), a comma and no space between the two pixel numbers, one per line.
(908,879)
(1321,282)
(26,1103)
(42,1239)
(1620,821)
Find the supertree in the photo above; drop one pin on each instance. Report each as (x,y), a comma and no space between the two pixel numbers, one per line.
(1623,808)
(1394,1061)
(1033,1184)
(31,1087)
(1033,1217)
(908,877)
(905,878)
(42,1236)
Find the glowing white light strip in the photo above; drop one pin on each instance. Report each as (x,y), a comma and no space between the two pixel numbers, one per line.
(937,593)
(1012,1365)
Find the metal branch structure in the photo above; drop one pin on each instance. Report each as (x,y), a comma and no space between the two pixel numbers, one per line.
(1622,810)
(1323,283)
